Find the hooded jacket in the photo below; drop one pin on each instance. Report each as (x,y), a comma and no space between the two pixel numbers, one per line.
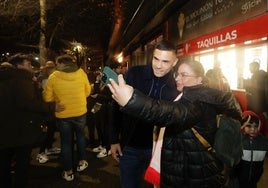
(69,86)
(184,160)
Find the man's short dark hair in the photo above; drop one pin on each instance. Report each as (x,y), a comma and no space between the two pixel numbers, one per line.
(166,46)
(19,59)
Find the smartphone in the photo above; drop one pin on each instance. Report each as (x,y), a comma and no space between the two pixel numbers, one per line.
(107,74)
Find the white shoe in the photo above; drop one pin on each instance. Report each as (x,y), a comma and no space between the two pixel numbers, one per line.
(67,177)
(42,158)
(104,153)
(82,166)
(53,151)
(98,149)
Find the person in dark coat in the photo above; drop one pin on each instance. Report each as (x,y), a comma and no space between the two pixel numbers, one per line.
(257,89)
(185,162)
(21,109)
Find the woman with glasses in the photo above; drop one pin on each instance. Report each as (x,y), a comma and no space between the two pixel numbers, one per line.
(185,162)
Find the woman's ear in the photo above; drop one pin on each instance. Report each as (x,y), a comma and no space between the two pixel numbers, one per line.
(199,80)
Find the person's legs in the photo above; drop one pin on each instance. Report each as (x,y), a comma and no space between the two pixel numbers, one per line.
(51,129)
(132,166)
(91,130)
(66,134)
(42,156)
(105,132)
(5,162)
(22,158)
(99,125)
(43,146)
(79,125)
(106,139)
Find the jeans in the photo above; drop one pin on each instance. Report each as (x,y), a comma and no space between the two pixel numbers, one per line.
(67,128)
(132,166)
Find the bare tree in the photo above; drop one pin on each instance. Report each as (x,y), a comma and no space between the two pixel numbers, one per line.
(42,41)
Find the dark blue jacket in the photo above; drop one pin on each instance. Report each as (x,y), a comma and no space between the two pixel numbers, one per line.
(136,132)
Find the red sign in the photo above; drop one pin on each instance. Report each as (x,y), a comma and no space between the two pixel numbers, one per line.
(252,29)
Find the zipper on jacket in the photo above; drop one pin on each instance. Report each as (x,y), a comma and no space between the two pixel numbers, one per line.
(251,159)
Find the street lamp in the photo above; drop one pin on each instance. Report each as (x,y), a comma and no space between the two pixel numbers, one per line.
(77,48)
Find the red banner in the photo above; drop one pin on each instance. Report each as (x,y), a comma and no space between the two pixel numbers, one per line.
(252,29)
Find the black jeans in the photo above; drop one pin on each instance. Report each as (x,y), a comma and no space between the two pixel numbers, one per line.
(51,129)
(91,121)
(21,156)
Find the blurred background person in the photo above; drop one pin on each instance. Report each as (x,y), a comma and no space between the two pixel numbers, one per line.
(103,115)
(46,148)
(124,68)
(22,111)
(257,93)
(94,79)
(216,79)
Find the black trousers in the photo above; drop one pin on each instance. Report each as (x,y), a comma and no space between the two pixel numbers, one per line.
(48,141)
(21,156)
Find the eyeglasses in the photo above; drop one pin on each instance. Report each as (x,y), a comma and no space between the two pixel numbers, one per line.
(182,75)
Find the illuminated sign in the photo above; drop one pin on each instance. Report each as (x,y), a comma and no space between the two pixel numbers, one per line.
(217,39)
(237,34)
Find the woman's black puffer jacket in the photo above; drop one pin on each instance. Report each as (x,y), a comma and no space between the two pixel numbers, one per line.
(184,160)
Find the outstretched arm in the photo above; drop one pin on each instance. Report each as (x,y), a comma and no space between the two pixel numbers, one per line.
(159,112)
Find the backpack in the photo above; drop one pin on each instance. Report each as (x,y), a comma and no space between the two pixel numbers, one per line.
(228,141)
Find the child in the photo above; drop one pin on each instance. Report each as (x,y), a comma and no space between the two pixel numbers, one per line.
(255,146)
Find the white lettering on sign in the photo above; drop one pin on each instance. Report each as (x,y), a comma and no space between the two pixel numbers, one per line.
(195,15)
(249,5)
(217,39)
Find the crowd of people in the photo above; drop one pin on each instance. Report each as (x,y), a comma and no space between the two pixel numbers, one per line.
(163,99)
(22,111)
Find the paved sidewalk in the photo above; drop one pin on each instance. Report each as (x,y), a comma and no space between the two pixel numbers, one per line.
(101,173)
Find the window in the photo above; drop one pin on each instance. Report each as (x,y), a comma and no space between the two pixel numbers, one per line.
(256,53)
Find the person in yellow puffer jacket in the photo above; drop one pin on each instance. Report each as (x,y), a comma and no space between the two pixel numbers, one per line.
(69,86)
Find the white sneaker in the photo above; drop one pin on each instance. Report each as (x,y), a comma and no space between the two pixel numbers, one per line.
(67,177)
(82,166)
(104,153)
(42,158)
(98,149)
(53,151)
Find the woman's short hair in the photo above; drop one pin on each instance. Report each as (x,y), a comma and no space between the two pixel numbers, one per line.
(196,66)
